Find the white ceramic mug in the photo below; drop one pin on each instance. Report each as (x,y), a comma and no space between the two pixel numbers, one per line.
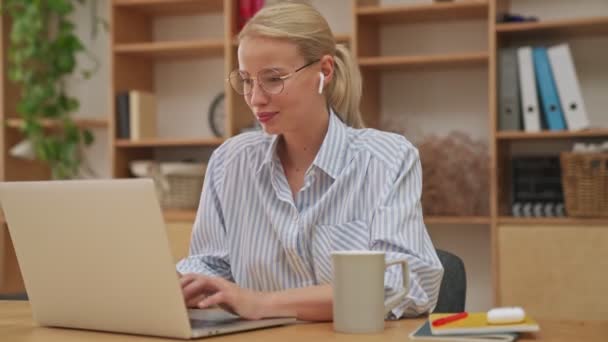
(358,289)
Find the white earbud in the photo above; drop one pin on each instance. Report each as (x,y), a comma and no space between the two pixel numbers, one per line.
(321,80)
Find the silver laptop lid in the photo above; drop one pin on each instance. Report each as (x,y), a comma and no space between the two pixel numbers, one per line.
(94,255)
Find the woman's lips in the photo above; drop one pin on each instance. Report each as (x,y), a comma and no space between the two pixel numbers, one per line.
(264,117)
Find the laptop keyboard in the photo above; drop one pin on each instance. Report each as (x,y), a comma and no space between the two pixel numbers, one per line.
(201,324)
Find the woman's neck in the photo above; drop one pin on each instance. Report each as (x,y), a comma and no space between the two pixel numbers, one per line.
(297,150)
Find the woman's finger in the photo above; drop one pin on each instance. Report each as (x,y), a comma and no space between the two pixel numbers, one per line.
(194,288)
(214,299)
(204,285)
(193,302)
(187,279)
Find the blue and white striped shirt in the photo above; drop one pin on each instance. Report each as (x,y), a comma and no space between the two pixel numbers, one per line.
(362,192)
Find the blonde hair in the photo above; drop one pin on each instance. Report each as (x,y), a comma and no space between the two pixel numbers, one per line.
(304,26)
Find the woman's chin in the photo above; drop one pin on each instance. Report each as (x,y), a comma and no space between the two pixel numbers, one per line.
(270,129)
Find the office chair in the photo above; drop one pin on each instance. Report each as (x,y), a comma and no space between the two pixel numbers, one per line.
(453,290)
(13,296)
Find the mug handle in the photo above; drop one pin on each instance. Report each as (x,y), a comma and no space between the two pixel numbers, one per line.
(394,300)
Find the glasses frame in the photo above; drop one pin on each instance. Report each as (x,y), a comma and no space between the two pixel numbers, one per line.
(282,78)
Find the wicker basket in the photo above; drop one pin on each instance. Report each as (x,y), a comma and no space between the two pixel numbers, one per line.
(585,182)
(178,185)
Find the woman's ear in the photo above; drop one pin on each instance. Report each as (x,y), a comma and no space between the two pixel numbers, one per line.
(327,67)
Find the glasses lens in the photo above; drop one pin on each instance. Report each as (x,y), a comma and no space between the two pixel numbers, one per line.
(241,83)
(271,81)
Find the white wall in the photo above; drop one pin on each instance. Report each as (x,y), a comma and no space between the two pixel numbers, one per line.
(418,102)
(185,89)
(93,93)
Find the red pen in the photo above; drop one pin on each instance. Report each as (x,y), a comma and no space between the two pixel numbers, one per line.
(448,319)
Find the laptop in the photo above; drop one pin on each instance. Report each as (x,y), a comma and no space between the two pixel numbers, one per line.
(94,255)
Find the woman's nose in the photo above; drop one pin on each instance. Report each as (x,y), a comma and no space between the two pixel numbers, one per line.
(258,95)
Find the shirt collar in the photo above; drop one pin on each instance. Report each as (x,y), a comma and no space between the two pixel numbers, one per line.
(270,152)
(331,155)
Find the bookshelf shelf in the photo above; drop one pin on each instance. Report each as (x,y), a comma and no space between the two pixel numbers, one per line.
(209,142)
(401,14)
(17,123)
(553,221)
(173,50)
(340,39)
(409,62)
(458,220)
(171,7)
(518,135)
(562,27)
(173,215)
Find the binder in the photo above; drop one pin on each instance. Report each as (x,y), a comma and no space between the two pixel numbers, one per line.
(568,87)
(527,89)
(509,109)
(123,128)
(142,109)
(549,98)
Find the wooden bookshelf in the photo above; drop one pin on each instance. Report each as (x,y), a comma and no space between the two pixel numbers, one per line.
(523,235)
(407,14)
(562,27)
(179,215)
(169,50)
(100,122)
(208,142)
(553,221)
(343,38)
(519,135)
(416,62)
(171,7)
(458,220)
(134,54)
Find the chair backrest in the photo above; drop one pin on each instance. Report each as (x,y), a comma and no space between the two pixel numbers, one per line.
(453,290)
(13,296)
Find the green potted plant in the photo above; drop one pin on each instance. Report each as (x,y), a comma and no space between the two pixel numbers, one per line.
(42,53)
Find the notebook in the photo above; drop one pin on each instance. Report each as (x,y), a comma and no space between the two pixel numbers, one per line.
(476,323)
(423,333)
(472,328)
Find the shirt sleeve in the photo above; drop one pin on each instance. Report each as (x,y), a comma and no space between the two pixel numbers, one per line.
(209,253)
(397,228)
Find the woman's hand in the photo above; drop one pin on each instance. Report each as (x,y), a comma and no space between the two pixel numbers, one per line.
(203,291)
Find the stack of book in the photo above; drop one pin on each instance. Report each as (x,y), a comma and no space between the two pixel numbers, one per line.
(537,187)
(135,115)
(473,328)
(539,89)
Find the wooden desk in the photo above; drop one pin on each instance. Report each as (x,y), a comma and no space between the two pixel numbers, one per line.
(16,325)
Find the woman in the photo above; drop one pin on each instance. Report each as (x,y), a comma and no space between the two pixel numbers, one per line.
(275,204)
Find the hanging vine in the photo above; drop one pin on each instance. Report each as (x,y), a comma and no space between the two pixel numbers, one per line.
(42,53)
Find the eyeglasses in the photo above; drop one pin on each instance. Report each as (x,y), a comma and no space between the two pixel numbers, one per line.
(270,80)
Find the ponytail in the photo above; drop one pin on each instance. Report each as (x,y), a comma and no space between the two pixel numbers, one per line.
(344,91)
